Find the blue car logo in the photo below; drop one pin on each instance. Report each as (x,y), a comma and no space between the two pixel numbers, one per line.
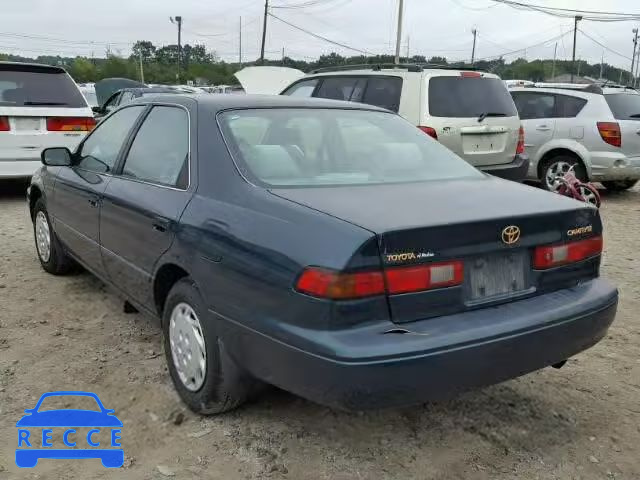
(32,446)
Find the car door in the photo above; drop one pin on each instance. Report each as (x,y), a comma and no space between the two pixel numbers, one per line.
(143,202)
(78,189)
(537,112)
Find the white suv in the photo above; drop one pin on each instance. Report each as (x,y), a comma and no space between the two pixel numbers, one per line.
(597,130)
(470,112)
(40,107)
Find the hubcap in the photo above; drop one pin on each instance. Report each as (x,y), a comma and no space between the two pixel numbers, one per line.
(43,236)
(588,195)
(554,172)
(187,346)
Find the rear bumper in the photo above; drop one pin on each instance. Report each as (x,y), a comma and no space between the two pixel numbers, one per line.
(614,166)
(516,170)
(19,168)
(364,367)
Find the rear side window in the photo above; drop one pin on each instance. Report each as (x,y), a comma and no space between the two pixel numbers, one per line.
(160,151)
(337,88)
(457,96)
(302,89)
(383,92)
(568,107)
(624,106)
(23,88)
(532,105)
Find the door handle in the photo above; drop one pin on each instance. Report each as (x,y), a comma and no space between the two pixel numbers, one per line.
(160,225)
(543,128)
(93,202)
(638,132)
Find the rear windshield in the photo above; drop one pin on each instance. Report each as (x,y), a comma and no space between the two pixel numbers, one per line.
(469,97)
(624,106)
(327,147)
(33,89)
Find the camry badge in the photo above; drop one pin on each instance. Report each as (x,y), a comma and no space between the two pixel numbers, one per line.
(510,234)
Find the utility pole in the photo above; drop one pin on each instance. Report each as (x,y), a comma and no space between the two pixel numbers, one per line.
(240,45)
(408,43)
(633,57)
(141,69)
(283,56)
(399,32)
(177,20)
(601,65)
(576,19)
(637,68)
(473,49)
(553,66)
(264,30)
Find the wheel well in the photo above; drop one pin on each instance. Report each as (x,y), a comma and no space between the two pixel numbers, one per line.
(556,152)
(164,281)
(33,198)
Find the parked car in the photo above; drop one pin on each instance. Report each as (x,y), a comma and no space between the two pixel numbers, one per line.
(597,130)
(40,106)
(329,248)
(469,112)
(127,95)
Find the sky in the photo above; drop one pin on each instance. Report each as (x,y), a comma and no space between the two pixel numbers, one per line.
(430,27)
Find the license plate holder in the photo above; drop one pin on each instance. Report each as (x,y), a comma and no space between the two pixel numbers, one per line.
(496,276)
(27,123)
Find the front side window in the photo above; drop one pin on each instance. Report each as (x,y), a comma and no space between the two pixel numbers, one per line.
(337,88)
(302,89)
(533,105)
(99,152)
(466,97)
(309,147)
(160,151)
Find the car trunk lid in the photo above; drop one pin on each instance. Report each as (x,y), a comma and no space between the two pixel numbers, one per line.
(467,224)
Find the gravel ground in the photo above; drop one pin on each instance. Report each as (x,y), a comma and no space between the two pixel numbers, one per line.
(580,422)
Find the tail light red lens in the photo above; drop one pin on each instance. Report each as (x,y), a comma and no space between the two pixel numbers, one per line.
(423,277)
(70,124)
(470,74)
(520,146)
(4,124)
(324,283)
(430,131)
(555,255)
(610,133)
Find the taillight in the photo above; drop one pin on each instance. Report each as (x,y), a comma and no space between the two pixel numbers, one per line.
(320,282)
(4,124)
(610,133)
(555,255)
(429,131)
(470,74)
(70,124)
(324,283)
(520,146)
(423,277)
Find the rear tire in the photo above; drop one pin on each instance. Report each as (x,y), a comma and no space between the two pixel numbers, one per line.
(213,384)
(52,256)
(557,166)
(619,185)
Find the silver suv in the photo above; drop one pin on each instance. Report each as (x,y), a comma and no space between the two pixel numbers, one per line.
(597,130)
(470,112)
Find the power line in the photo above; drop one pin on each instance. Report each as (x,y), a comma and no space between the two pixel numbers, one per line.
(603,45)
(591,15)
(320,36)
(553,39)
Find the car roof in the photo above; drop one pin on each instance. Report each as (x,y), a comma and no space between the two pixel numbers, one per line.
(31,67)
(216,103)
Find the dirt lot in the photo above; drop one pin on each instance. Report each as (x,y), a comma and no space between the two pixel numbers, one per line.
(580,422)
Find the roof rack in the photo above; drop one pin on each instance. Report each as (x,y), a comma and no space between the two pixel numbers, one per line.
(411,67)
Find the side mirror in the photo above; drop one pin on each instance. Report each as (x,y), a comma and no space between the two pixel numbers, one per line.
(97,110)
(56,157)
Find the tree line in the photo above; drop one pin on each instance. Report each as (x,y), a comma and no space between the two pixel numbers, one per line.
(160,65)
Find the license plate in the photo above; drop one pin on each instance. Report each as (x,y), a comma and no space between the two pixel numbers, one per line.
(483,142)
(497,274)
(27,123)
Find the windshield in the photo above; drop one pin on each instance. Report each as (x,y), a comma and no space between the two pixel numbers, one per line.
(313,147)
(63,402)
(624,106)
(469,97)
(90,97)
(48,89)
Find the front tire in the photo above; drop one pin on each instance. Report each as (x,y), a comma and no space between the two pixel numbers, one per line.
(52,256)
(619,185)
(204,375)
(557,166)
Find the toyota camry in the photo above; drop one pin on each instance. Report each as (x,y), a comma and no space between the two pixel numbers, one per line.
(331,249)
